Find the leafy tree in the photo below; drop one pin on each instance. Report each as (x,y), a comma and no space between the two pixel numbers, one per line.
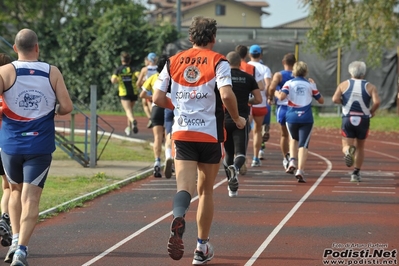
(84,39)
(372,25)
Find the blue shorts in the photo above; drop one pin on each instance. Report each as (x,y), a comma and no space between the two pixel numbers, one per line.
(26,168)
(355,127)
(300,132)
(169,115)
(1,167)
(266,119)
(281,110)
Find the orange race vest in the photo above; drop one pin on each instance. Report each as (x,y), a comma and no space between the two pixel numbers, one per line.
(199,112)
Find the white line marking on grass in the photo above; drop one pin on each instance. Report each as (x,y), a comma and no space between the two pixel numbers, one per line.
(264,245)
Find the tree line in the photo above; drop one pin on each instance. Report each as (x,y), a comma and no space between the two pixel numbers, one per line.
(84,38)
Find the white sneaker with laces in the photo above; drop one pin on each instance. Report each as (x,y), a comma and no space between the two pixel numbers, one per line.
(201,257)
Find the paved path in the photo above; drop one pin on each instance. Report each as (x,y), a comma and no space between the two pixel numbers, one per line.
(274,220)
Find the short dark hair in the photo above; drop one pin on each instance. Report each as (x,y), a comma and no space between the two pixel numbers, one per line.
(289,59)
(242,50)
(202,30)
(125,57)
(25,40)
(161,62)
(234,59)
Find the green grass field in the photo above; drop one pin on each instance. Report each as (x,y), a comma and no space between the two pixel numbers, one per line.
(384,122)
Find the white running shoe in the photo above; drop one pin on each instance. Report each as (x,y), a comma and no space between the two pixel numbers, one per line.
(255,163)
(285,163)
(300,176)
(291,167)
(355,178)
(233,181)
(201,257)
(157,169)
(261,155)
(128,131)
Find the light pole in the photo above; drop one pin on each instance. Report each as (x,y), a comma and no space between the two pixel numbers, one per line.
(178,15)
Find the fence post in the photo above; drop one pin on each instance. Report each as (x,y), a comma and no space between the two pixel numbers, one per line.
(339,62)
(93,126)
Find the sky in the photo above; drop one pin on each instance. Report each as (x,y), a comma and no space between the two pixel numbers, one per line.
(283,11)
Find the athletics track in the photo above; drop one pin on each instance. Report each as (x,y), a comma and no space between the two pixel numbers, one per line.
(273,221)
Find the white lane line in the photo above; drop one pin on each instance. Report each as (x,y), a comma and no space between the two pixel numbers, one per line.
(374,151)
(269,190)
(270,181)
(262,185)
(155,189)
(364,192)
(264,245)
(373,179)
(142,230)
(127,239)
(383,154)
(158,184)
(372,183)
(364,187)
(390,143)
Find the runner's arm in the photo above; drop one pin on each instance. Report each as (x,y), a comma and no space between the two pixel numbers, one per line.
(338,94)
(273,85)
(375,98)
(64,105)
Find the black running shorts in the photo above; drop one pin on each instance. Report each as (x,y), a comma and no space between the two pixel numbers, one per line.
(202,152)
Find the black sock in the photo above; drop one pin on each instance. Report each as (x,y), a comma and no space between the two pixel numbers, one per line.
(356,171)
(181,203)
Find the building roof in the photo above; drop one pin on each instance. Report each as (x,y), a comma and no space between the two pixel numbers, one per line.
(187,5)
(298,23)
